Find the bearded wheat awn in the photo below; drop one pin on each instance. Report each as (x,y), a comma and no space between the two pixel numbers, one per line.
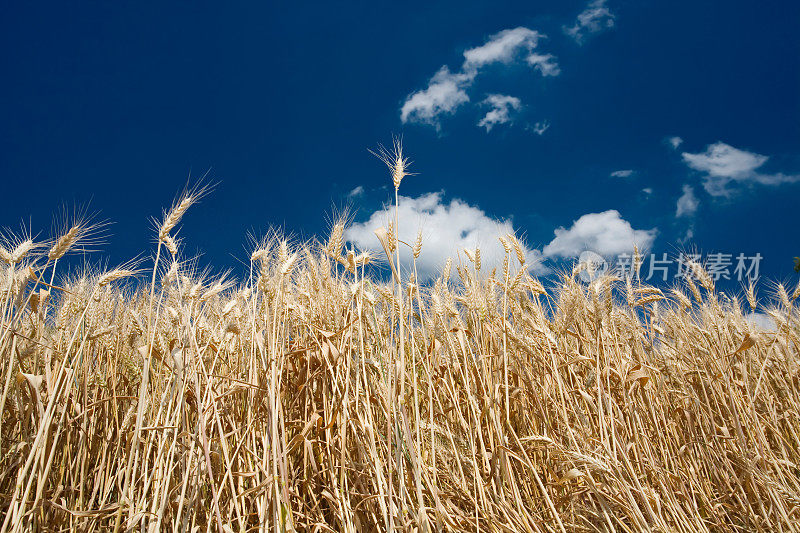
(171,245)
(394,159)
(79,229)
(114,275)
(336,240)
(21,251)
(65,242)
(189,197)
(416,250)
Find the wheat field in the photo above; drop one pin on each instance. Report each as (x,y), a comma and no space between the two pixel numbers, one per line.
(321,395)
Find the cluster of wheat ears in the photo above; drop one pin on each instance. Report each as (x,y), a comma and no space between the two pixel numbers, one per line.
(313,396)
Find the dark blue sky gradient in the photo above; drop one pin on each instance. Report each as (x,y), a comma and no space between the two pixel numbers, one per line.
(118,103)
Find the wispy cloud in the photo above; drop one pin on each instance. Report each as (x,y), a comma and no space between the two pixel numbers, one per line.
(540,127)
(448,228)
(688,203)
(594,19)
(357,192)
(688,236)
(502,107)
(674,141)
(443,95)
(725,168)
(622,173)
(605,233)
(501,47)
(447,91)
(544,63)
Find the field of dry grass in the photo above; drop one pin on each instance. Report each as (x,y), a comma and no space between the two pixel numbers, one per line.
(313,396)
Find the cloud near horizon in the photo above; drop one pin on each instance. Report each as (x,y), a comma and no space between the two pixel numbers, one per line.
(605,233)
(761,322)
(447,91)
(724,168)
(450,227)
(447,229)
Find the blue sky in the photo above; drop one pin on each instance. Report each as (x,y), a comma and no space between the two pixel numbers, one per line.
(557,120)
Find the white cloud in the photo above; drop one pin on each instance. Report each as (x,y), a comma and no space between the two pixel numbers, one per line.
(545,63)
(761,321)
(444,94)
(606,233)
(540,127)
(357,192)
(687,203)
(675,142)
(647,191)
(622,173)
(594,19)
(725,166)
(501,47)
(502,106)
(447,229)
(447,91)
(722,160)
(688,236)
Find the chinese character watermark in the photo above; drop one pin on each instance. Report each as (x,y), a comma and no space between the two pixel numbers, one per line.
(661,267)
